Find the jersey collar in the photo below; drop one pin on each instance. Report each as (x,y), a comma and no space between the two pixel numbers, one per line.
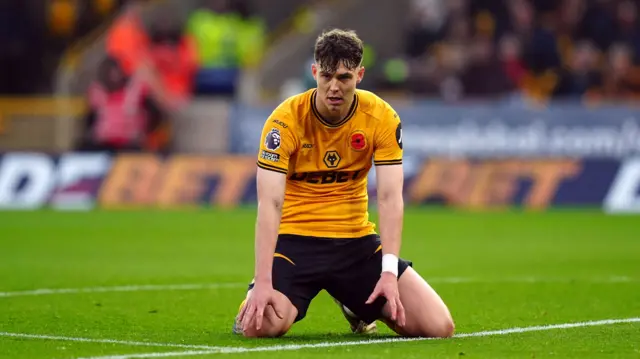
(352,111)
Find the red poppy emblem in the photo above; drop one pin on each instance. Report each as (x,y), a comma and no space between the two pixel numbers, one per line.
(358,141)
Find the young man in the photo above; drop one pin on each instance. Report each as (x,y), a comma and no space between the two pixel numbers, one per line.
(312,229)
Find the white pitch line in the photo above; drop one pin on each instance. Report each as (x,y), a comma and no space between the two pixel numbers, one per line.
(533,279)
(107,341)
(125,288)
(292,347)
(200,286)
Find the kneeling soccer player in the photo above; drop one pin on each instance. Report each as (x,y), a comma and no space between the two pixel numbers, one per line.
(313,230)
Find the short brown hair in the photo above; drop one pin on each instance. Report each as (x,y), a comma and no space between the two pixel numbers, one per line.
(335,46)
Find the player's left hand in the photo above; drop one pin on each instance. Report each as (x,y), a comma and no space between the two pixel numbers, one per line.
(388,287)
(262,295)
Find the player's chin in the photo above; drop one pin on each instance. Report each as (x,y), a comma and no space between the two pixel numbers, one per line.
(334,106)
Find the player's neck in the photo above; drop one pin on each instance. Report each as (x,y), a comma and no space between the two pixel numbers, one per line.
(330,117)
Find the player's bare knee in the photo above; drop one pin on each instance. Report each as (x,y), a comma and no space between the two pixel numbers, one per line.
(444,328)
(426,323)
(437,327)
(272,326)
(268,331)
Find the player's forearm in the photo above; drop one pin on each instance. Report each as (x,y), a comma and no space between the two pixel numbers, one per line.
(266,236)
(391,211)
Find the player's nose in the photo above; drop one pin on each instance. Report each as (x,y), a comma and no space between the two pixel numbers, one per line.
(333,86)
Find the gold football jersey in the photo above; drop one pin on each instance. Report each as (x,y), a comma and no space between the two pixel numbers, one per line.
(327,164)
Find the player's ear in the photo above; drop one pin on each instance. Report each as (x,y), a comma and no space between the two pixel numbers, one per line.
(360,73)
(314,71)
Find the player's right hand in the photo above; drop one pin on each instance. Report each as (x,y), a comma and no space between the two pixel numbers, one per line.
(261,295)
(388,287)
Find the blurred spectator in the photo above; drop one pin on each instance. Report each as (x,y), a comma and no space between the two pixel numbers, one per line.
(122,114)
(628,30)
(484,76)
(581,75)
(173,56)
(227,40)
(63,17)
(621,80)
(510,57)
(127,39)
(426,23)
(161,56)
(521,18)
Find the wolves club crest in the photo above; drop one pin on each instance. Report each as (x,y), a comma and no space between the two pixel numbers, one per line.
(358,141)
(332,159)
(272,140)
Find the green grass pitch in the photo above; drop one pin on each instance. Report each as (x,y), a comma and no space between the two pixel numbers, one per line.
(175,279)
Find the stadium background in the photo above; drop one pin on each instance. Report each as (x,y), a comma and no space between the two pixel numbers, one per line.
(527,103)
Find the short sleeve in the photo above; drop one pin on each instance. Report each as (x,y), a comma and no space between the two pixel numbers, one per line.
(277,144)
(388,141)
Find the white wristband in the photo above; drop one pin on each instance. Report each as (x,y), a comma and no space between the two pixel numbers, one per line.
(390,264)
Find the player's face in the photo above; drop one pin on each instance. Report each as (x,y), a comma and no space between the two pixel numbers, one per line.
(336,90)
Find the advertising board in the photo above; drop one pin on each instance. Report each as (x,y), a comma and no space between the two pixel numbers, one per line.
(90,180)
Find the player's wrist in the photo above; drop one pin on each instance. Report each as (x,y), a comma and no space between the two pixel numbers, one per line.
(390,264)
(262,281)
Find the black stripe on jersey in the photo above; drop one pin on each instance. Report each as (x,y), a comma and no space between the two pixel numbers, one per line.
(387,163)
(271,168)
(352,111)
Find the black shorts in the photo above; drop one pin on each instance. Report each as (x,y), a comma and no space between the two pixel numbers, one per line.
(348,269)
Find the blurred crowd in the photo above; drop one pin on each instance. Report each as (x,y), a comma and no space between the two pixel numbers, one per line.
(153,68)
(586,50)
